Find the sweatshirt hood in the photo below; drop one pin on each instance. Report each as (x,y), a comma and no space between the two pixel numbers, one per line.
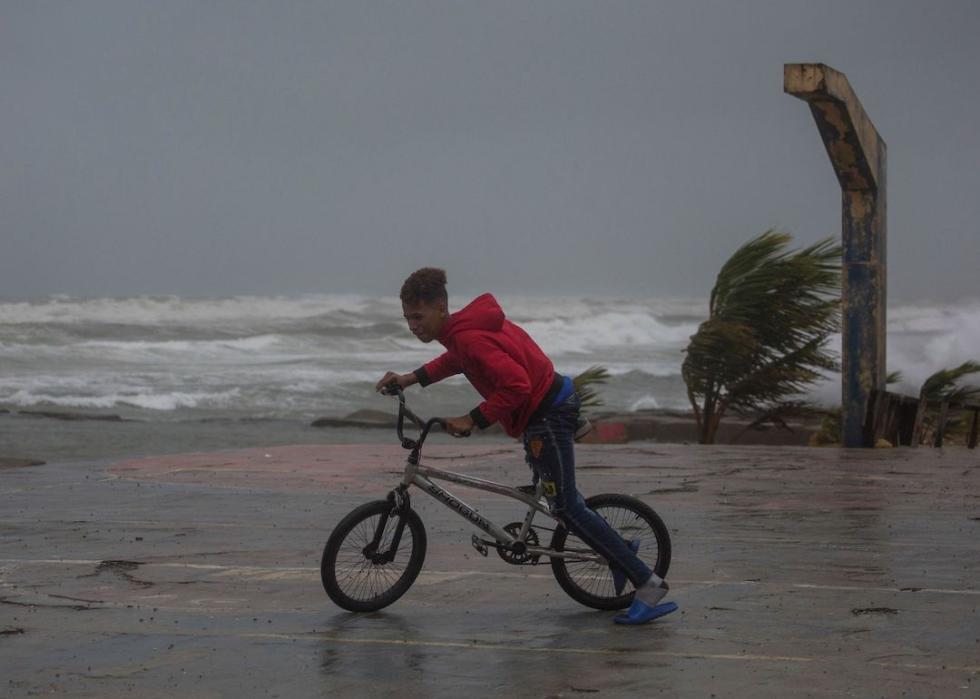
(482,313)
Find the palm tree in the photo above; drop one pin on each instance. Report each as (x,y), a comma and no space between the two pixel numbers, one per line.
(942,386)
(769,318)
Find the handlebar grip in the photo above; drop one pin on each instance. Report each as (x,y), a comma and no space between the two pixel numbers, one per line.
(392,389)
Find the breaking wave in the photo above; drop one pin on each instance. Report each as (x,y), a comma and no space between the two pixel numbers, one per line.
(317,354)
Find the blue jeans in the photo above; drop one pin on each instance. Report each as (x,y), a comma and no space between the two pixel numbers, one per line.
(549,447)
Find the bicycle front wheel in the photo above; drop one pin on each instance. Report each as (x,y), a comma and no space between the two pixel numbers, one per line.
(360,576)
(591,582)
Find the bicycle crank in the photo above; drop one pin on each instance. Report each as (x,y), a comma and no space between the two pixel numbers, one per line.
(517,553)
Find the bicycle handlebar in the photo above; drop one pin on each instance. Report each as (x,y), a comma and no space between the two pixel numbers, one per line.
(403,411)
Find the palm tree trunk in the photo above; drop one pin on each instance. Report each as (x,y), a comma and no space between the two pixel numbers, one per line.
(697,409)
(705,430)
(711,433)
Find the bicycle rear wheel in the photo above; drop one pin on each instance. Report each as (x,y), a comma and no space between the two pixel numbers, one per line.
(361,577)
(591,582)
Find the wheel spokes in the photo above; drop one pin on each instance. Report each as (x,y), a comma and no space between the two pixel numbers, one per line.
(357,575)
(596,577)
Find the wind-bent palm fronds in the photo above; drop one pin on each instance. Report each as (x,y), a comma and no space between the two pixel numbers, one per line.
(769,318)
(942,385)
(585,385)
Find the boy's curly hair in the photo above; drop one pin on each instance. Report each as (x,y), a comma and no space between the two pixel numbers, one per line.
(425,285)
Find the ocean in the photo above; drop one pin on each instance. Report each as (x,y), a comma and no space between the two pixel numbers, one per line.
(243,360)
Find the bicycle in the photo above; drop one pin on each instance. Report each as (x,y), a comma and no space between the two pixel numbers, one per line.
(375,553)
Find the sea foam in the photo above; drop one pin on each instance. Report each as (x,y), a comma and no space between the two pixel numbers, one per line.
(306,355)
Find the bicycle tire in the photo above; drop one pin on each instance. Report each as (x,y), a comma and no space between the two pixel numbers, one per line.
(591,583)
(351,579)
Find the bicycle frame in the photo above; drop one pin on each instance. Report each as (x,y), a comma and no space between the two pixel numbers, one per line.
(423,476)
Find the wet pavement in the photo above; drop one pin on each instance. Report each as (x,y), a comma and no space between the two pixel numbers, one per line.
(799,572)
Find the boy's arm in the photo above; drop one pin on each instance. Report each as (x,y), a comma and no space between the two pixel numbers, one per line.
(443,366)
(512,382)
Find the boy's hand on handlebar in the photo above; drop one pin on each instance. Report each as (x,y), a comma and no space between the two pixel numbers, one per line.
(459,426)
(401,380)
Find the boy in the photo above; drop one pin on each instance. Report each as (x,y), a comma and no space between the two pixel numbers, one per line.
(523,393)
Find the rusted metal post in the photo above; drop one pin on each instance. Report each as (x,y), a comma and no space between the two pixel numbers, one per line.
(875,418)
(857,153)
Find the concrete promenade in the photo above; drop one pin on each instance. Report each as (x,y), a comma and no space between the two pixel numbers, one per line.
(799,572)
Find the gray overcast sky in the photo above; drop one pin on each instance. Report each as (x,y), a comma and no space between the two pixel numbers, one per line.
(211,148)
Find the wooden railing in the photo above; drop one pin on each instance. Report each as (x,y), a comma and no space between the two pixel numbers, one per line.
(902,419)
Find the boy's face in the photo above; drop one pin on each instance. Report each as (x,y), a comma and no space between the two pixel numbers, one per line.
(425,320)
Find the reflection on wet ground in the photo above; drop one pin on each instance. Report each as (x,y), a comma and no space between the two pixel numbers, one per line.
(798,571)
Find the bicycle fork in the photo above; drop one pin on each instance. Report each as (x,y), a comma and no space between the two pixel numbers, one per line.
(400,503)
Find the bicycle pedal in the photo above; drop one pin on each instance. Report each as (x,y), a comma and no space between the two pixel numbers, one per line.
(479,545)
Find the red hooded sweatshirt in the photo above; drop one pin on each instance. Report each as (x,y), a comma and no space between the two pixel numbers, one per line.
(502,362)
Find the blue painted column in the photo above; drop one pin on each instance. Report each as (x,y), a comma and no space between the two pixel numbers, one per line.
(858,155)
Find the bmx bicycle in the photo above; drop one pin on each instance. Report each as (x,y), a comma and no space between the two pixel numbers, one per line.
(375,553)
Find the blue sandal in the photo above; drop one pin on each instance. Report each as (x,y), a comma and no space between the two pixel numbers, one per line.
(641,613)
